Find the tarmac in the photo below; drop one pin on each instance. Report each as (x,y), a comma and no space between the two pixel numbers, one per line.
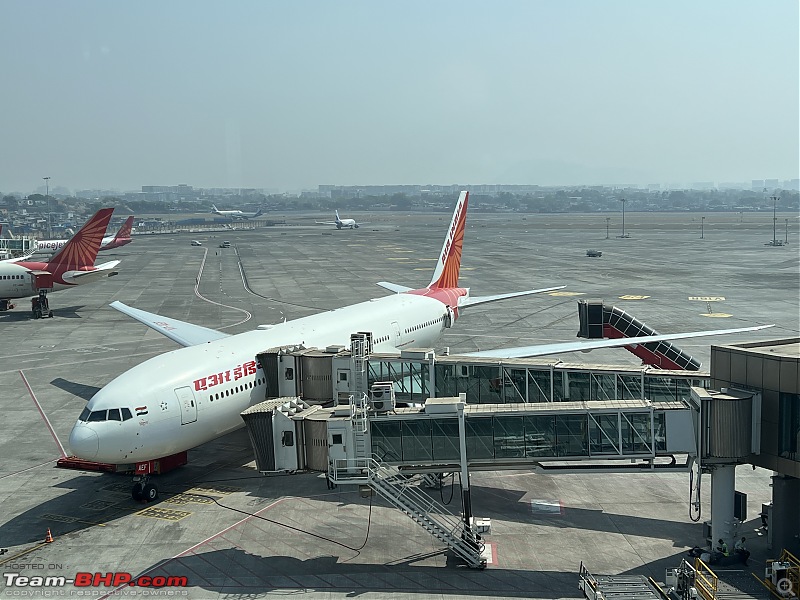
(236,534)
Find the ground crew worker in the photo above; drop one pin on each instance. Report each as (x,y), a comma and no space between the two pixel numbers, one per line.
(722,547)
(740,549)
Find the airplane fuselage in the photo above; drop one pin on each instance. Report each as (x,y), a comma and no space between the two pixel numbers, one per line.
(189,396)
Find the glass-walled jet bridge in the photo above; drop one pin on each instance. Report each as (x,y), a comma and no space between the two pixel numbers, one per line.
(566,436)
(418,375)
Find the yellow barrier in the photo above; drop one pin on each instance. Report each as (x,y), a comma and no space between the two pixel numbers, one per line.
(705,580)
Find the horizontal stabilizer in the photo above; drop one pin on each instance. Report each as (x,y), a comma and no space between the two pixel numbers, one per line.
(559,348)
(99,272)
(393,287)
(465,301)
(186,334)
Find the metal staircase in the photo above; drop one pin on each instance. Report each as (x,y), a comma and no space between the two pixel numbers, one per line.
(404,493)
(360,344)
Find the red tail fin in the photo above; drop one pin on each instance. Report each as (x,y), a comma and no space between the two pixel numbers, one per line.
(80,252)
(124,232)
(449,265)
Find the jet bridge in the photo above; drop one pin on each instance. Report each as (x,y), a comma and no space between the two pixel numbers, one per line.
(631,435)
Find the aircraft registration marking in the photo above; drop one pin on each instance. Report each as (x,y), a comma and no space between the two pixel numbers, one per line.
(565,294)
(244,370)
(707,298)
(633,297)
(167,514)
(187,498)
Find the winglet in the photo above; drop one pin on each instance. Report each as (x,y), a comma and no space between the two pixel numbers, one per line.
(80,252)
(449,265)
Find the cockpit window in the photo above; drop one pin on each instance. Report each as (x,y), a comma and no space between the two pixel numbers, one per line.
(97,415)
(126,414)
(113,414)
(85,415)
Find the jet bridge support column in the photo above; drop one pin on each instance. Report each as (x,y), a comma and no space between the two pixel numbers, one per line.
(723,484)
(466,498)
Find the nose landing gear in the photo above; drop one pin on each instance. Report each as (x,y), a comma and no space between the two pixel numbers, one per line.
(143,489)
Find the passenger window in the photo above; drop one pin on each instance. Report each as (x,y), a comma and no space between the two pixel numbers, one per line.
(126,414)
(113,414)
(85,415)
(97,415)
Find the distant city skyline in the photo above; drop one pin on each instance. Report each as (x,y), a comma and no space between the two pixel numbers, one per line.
(286,96)
(755,185)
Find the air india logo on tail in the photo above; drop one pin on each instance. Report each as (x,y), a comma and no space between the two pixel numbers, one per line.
(80,252)
(125,230)
(447,270)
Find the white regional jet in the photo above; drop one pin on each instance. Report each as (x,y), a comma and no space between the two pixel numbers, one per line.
(235,214)
(181,399)
(341,223)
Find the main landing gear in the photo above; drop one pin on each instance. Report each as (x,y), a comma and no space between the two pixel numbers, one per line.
(143,489)
(40,307)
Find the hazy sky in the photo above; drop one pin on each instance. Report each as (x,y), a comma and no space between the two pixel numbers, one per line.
(288,95)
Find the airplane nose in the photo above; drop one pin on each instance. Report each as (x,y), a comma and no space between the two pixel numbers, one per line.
(83,442)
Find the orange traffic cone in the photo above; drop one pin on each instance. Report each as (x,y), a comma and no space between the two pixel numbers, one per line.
(48,539)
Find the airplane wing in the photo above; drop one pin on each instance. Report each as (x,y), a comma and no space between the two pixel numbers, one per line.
(393,287)
(186,334)
(465,301)
(545,349)
(325,222)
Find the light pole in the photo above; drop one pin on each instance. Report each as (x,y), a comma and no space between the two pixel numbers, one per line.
(623,217)
(786,239)
(47,198)
(702,223)
(774,221)
(608,223)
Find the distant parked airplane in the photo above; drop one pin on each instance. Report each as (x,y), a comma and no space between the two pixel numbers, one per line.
(122,237)
(235,214)
(72,265)
(342,223)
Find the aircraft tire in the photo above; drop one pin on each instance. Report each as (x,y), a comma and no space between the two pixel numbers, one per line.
(150,492)
(137,491)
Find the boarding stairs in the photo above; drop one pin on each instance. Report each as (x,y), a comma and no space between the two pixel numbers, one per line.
(403,492)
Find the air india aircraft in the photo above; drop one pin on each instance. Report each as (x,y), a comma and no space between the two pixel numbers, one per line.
(122,237)
(181,399)
(71,266)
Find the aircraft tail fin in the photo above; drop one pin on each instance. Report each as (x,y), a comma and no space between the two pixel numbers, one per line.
(80,252)
(449,264)
(259,212)
(124,232)
(337,214)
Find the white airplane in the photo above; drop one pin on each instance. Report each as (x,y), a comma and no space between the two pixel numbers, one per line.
(184,398)
(72,265)
(235,214)
(342,223)
(121,238)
